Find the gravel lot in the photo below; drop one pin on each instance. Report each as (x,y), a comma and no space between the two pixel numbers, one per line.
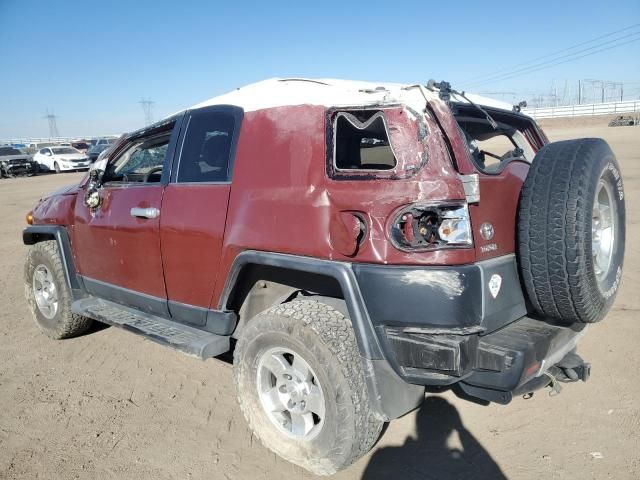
(112,405)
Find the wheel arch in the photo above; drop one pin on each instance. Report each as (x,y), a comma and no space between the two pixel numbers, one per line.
(285,275)
(40,233)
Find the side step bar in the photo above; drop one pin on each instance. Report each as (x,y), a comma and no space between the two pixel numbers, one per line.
(189,340)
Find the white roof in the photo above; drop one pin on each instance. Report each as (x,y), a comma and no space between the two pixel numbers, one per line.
(277,92)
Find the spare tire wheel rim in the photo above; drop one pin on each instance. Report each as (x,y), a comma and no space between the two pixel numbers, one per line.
(603,230)
(290,393)
(45,291)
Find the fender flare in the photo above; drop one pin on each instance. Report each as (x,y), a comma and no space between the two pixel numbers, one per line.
(39,233)
(297,269)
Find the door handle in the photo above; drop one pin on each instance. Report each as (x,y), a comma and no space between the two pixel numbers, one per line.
(151,212)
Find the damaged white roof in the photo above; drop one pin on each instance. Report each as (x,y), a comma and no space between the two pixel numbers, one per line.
(278,92)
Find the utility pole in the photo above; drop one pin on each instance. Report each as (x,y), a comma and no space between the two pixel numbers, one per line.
(579,92)
(53,126)
(147,106)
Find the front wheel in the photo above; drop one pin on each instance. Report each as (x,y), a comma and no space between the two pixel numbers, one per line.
(48,295)
(301,386)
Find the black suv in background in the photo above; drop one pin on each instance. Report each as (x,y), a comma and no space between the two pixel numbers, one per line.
(14,162)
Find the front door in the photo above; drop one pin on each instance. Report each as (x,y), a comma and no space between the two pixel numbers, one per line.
(117,245)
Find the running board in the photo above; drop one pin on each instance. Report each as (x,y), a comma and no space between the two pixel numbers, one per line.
(189,340)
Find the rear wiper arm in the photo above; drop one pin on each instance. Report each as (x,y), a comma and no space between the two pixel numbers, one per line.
(445,91)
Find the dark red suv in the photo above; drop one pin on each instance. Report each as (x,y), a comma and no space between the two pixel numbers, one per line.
(351,242)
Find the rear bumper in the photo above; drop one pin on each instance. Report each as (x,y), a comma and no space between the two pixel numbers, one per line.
(451,325)
(503,361)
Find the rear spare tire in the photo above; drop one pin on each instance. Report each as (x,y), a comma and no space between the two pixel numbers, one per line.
(571,230)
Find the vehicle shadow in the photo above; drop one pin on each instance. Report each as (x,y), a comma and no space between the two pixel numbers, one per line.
(428,455)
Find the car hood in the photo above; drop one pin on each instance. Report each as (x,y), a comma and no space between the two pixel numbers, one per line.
(71,156)
(66,190)
(25,157)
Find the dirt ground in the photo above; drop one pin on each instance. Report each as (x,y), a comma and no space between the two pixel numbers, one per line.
(112,405)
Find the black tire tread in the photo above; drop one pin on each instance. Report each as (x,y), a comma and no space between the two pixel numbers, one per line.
(554,230)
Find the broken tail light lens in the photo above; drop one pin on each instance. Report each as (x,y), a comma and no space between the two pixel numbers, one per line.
(428,227)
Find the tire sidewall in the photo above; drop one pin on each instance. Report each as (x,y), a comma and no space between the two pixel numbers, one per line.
(284,332)
(609,171)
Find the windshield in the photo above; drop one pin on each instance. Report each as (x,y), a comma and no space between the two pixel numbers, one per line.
(64,150)
(9,151)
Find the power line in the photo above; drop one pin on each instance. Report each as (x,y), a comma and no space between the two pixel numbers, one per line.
(552,54)
(544,66)
(535,66)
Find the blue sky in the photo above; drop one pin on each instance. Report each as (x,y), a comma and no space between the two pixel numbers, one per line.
(91,62)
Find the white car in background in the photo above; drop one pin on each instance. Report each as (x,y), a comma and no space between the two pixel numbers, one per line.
(61,159)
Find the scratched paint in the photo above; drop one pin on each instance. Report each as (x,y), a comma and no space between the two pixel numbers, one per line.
(448,282)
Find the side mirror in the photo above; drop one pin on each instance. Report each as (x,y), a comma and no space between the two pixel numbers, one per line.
(95,175)
(92,197)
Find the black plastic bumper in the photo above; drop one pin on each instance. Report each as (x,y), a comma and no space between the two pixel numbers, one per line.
(453,297)
(21,169)
(486,366)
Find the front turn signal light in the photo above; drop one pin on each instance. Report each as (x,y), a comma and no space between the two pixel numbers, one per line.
(30,218)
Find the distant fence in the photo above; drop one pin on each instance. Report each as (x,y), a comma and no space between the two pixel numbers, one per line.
(28,140)
(591,109)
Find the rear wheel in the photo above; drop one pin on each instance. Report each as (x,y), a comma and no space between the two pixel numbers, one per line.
(571,230)
(48,295)
(301,387)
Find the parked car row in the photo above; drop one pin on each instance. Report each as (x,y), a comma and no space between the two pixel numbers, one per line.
(33,158)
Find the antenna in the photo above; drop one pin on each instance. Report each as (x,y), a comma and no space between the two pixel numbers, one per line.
(53,126)
(147,107)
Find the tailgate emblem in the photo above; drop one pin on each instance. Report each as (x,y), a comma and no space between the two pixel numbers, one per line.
(486,230)
(495,282)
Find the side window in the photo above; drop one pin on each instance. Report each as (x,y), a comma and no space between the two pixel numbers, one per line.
(142,161)
(206,147)
(362,142)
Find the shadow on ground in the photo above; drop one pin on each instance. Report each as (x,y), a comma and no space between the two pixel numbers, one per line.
(429,455)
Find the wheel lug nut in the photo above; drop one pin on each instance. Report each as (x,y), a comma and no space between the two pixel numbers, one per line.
(302,404)
(287,376)
(283,389)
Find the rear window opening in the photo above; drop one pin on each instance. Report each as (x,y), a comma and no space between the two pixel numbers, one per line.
(491,149)
(361,142)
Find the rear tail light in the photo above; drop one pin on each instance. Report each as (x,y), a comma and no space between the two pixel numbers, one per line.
(427,227)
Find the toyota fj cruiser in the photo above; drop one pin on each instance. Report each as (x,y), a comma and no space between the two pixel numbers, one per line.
(351,242)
